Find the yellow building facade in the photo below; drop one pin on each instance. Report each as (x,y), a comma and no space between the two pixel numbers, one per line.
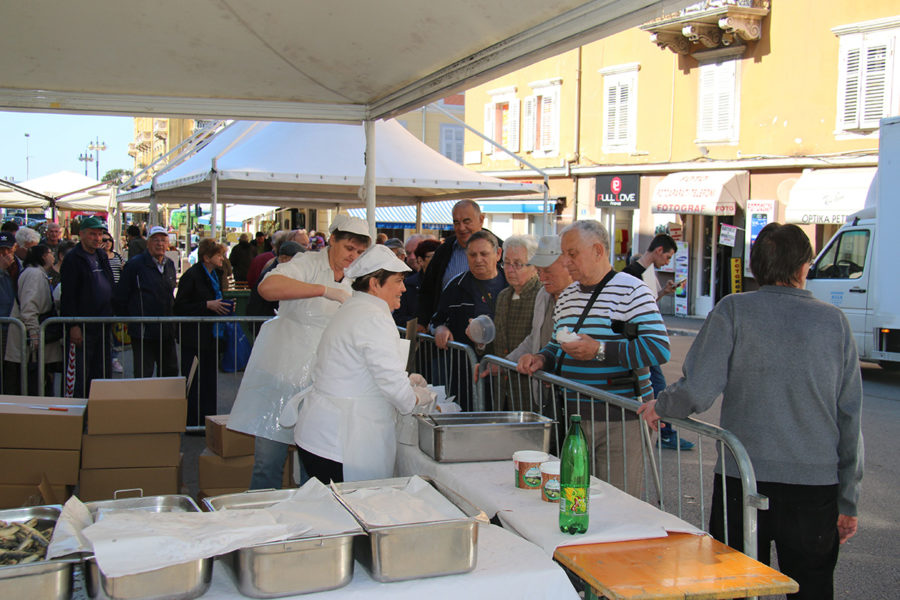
(732,113)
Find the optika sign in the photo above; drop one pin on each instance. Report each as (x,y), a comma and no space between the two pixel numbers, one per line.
(620,191)
(823,219)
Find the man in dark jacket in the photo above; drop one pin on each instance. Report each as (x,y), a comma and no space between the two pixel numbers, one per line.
(449,259)
(146,289)
(240,258)
(87,284)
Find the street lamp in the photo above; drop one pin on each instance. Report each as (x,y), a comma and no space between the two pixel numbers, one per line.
(27,170)
(86,158)
(97,147)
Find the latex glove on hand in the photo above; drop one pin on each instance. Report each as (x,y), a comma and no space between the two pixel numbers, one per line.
(336,294)
(417,380)
(425,399)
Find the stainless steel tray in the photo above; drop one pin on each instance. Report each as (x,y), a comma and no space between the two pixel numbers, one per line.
(481,436)
(299,566)
(417,550)
(50,579)
(178,582)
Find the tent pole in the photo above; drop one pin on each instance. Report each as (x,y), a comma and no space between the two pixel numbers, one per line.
(419,215)
(214,180)
(154,209)
(224,222)
(370,177)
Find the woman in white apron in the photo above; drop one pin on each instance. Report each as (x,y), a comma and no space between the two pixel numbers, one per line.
(310,288)
(346,423)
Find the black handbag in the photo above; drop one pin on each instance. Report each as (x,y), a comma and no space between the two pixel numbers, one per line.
(54,332)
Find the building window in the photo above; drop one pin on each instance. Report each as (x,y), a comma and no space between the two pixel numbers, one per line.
(620,108)
(867,75)
(717,107)
(452,138)
(540,119)
(501,122)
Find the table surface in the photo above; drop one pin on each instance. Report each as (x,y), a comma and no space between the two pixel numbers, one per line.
(674,567)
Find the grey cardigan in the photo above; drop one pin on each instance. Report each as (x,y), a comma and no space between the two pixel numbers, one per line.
(789,371)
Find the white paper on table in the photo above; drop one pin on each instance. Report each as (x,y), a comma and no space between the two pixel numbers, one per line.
(417,502)
(126,542)
(67,537)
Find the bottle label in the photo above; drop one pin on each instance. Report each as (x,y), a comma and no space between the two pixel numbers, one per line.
(573,500)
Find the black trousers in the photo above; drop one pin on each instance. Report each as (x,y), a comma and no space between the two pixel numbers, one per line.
(801,520)
(323,469)
(150,353)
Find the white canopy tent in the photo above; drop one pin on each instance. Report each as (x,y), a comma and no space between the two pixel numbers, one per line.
(319,165)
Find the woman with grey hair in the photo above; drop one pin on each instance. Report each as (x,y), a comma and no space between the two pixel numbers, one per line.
(515,307)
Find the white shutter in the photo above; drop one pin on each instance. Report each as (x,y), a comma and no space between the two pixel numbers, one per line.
(874,85)
(624,116)
(848,86)
(529,123)
(488,147)
(512,124)
(548,123)
(611,116)
(716,114)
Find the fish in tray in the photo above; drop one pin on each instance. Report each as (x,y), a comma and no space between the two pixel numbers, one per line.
(22,543)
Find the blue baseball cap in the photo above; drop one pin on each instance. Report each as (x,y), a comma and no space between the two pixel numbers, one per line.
(7,239)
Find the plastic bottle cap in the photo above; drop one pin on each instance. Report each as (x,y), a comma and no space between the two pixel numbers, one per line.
(575,418)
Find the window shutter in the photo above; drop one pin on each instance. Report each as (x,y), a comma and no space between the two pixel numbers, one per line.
(612,110)
(624,115)
(874,85)
(512,125)
(848,98)
(488,148)
(548,122)
(529,123)
(716,116)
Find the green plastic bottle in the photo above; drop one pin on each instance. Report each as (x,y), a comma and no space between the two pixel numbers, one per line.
(574,480)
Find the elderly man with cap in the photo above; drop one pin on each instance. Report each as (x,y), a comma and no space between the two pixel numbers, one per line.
(146,289)
(87,285)
(309,289)
(346,425)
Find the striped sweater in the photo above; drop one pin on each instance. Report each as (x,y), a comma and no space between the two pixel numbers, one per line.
(624,298)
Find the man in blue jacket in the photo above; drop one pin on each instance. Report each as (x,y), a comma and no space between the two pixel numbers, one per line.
(87,284)
(146,289)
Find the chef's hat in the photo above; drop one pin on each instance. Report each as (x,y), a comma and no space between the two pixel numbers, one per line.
(350,225)
(375,258)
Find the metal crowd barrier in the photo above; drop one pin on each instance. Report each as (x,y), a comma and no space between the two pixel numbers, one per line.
(107,344)
(556,397)
(9,371)
(452,368)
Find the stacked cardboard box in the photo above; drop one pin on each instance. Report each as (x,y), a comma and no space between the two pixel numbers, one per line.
(226,465)
(133,438)
(40,446)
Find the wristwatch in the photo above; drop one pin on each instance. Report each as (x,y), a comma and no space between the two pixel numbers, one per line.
(601,352)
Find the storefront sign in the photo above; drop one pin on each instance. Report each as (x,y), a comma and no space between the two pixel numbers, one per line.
(619,191)
(682,261)
(759,214)
(727,235)
(737,276)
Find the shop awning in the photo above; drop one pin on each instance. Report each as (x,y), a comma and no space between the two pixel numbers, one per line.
(701,193)
(435,215)
(828,196)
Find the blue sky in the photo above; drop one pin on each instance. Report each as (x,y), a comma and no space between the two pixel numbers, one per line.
(56,141)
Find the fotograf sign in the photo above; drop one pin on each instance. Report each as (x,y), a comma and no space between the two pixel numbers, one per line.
(620,191)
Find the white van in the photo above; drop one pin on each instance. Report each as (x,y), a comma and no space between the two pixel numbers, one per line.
(858,269)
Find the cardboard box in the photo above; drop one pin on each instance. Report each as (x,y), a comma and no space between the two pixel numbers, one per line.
(218,472)
(153,405)
(224,442)
(24,426)
(25,466)
(16,496)
(130,450)
(102,484)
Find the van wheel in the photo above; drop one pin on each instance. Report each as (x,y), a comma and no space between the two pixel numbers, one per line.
(889,365)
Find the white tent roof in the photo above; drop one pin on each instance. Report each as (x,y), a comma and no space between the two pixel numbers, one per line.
(283,59)
(320,165)
(63,185)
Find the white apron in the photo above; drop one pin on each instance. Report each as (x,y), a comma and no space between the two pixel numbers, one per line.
(366,429)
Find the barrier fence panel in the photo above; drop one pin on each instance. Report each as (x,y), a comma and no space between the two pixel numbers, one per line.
(157,347)
(14,376)
(453,368)
(622,448)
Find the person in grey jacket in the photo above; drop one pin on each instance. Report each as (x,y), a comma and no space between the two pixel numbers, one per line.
(788,369)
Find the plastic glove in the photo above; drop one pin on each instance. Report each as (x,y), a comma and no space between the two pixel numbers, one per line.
(417,380)
(336,294)
(424,400)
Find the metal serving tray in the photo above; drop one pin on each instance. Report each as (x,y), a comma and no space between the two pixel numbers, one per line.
(49,579)
(298,566)
(482,436)
(178,582)
(417,550)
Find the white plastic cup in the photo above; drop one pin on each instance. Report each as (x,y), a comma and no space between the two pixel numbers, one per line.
(528,468)
(482,330)
(550,481)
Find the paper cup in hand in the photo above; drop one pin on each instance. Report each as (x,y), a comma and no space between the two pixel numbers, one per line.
(528,468)
(550,481)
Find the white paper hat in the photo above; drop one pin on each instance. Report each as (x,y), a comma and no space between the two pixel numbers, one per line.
(375,258)
(350,225)
(549,249)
